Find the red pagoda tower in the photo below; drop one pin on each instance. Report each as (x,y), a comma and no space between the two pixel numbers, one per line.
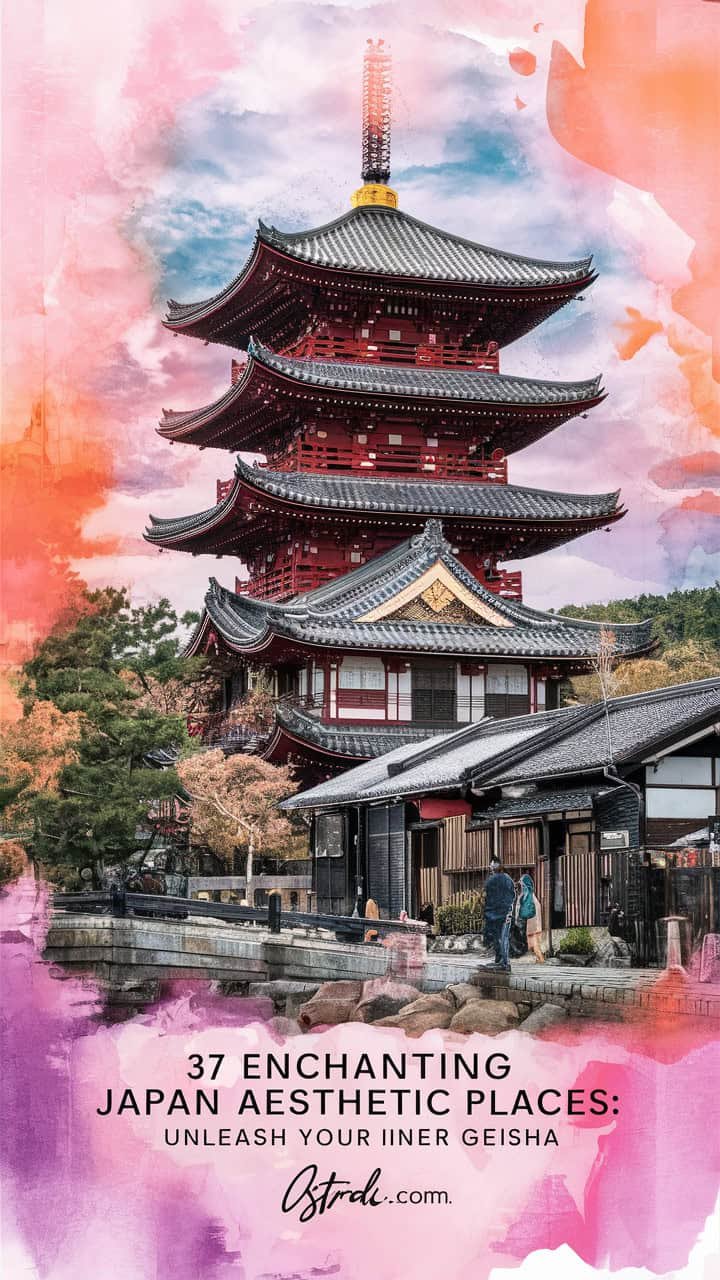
(375,531)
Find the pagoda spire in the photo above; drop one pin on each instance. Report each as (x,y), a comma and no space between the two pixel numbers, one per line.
(376,126)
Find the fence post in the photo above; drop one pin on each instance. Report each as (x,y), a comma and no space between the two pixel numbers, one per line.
(118,903)
(274,910)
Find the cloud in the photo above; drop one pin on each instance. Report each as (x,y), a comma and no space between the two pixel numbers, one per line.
(167,130)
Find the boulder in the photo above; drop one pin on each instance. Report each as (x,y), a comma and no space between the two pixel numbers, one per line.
(489,1017)
(287,995)
(613,953)
(544,1017)
(332,1003)
(382,998)
(423,1014)
(283,1027)
(461,992)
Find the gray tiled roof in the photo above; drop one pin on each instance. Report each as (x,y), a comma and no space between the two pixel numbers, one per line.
(363,777)
(245,627)
(441,498)
(631,722)
(329,615)
(539,802)
(349,739)
(556,744)
(467,385)
(434,497)
(431,766)
(390,242)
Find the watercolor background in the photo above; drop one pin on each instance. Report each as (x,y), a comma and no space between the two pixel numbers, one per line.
(143,140)
(91,1199)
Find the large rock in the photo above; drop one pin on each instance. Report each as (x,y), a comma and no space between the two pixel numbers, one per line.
(489,1017)
(424,1014)
(287,995)
(333,1002)
(461,992)
(382,999)
(283,1027)
(544,1017)
(613,953)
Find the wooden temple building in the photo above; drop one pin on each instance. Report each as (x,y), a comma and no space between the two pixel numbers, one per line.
(375,532)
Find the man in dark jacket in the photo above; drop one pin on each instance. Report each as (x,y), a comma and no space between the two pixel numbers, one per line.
(499,902)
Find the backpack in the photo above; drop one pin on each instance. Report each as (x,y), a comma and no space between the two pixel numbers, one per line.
(527,905)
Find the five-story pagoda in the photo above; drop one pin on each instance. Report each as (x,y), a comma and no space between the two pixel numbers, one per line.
(375,531)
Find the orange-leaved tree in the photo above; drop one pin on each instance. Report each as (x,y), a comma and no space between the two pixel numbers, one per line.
(33,752)
(235,803)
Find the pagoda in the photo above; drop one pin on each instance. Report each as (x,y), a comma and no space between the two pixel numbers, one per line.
(373,535)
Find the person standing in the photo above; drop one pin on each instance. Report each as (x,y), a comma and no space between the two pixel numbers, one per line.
(529,911)
(499,903)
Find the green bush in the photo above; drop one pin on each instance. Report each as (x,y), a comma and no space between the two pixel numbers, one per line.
(577,942)
(462,917)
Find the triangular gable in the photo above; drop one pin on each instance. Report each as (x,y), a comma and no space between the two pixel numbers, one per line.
(437,595)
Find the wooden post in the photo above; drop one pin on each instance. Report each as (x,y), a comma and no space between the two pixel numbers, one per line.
(274,910)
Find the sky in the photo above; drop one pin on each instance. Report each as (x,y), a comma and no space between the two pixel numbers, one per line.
(143,141)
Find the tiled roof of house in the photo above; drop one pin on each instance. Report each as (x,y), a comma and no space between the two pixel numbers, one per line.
(553,745)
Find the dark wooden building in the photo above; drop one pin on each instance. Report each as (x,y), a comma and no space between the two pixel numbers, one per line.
(595,801)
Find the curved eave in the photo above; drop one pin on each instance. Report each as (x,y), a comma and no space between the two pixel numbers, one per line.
(176,425)
(225,415)
(188,317)
(178,534)
(283,743)
(434,399)
(276,637)
(578,272)
(522,292)
(181,316)
(276,643)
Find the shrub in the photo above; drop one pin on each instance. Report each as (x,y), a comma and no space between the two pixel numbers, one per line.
(13,861)
(577,942)
(462,917)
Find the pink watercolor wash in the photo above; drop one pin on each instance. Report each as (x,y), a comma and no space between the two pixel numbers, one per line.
(92,1196)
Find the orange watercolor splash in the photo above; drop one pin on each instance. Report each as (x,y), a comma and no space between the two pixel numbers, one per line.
(687,472)
(522,61)
(703,388)
(645,108)
(638,329)
(89,102)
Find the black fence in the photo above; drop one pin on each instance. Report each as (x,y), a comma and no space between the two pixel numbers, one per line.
(649,892)
(119,903)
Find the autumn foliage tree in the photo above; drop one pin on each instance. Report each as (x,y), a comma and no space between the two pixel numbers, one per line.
(33,752)
(677,665)
(235,803)
(13,861)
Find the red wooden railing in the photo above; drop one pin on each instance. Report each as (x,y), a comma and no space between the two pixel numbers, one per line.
(325,346)
(288,580)
(384,459)
(362,698)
